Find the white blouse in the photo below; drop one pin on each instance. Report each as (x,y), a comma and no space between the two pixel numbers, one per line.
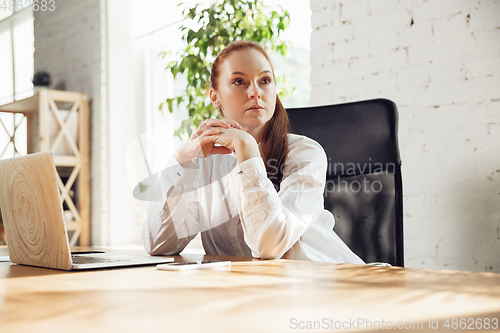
(239,212)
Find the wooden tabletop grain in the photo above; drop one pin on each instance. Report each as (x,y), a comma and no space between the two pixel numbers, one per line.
(251,296)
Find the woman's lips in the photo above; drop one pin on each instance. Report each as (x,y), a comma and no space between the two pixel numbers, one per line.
(255,108)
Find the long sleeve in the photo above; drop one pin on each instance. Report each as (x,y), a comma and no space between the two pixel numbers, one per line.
(272,222)
(171,221)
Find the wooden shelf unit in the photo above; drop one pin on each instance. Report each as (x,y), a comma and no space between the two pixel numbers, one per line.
(49,114)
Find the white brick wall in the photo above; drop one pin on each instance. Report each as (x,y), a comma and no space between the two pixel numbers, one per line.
(68,44)
(439,61)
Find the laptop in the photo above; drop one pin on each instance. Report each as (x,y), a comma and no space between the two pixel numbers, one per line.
(33,219)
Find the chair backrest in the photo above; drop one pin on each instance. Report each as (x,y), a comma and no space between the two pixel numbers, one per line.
(363,182)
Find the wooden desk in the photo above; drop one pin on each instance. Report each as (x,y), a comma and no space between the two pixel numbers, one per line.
(253,296)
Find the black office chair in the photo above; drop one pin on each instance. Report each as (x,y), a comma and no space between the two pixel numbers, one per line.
(364,189)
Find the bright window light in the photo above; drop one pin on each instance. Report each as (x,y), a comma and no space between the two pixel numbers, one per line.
(23,56)
(6,86)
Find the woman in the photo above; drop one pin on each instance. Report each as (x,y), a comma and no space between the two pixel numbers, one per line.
(244,182)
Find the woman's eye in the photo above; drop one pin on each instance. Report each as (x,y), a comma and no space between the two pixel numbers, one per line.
(266,80)
(238,82)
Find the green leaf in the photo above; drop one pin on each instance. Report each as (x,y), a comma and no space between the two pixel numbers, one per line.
(171,64)
(143,187)
(284,49)
(170,102)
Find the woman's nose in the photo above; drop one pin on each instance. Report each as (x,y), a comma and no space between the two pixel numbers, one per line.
(254,92)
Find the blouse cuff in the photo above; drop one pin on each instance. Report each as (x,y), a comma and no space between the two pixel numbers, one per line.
(249,171)
(178,174)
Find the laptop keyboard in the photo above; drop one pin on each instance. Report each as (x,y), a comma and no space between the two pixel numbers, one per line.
(92,260)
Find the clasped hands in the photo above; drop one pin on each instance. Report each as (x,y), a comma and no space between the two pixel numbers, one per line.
(227,133)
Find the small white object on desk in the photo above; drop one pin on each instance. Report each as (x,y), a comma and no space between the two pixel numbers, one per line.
(180,266)
(4,258)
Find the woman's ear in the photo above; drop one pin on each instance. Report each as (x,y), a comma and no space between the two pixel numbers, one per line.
(214,98)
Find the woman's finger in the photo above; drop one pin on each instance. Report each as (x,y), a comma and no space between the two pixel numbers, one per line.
(210,131)
(215,123)
(233,123)
(200,131)
(202,142)
(194,135)
(211,123)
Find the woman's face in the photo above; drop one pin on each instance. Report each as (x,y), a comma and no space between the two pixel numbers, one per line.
(246,91)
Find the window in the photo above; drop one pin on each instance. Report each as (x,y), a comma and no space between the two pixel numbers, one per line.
(16,55)
(16,72)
